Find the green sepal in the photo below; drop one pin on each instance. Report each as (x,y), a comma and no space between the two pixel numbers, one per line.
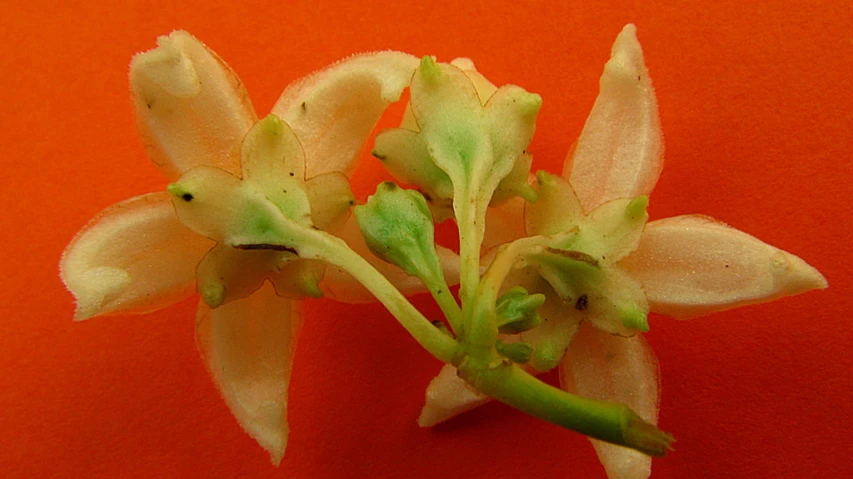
(517,310)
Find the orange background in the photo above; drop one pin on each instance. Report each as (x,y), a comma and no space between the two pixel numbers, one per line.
(756,110)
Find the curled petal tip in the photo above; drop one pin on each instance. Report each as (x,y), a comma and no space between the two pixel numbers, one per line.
(167,66)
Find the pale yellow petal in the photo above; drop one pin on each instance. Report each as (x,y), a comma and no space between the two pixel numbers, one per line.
(692,265)
(135,256)
(620,152)
(334,110)
(447,396)
(247,345)
(612,368)
(190,106)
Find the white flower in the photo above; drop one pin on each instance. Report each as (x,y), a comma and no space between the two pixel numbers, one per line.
(681,267)
(139,255)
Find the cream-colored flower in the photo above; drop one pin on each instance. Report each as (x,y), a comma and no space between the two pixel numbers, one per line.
(231,174)
(680,267)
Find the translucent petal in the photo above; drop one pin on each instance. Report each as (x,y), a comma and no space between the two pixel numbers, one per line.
(247,346)
(190,106)
(557,209)
(330,198)
(624,370)
(504,223)
(333,111)
(271,147)
(620,152)
(692,265)
(340,285)
(135,256)
(226,274)
(613,229)
(448,395)
(512,113)
(405,155)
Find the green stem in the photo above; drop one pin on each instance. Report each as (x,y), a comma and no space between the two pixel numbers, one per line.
(323,246)
(468,220)
(607,421)
(442,295)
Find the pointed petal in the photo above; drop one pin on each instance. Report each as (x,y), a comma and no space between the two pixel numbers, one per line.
(135,256)
(333,111)
(606,367)
(247,346)
(620,152)
(190,106)
(330,198)
(613,229)
(341,286)
(448,395)
(271,148)
(405,155)
(692,265)
(558,208)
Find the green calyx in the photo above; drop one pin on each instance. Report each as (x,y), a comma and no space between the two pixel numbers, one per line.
(398,228)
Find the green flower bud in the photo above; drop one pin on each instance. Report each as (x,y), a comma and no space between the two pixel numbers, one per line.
(398,228)
(516,352)
(518,311)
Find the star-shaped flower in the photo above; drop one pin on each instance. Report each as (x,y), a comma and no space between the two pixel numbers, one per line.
(235,179)
(611,267)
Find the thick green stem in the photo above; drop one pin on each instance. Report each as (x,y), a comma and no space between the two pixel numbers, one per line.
(611,422)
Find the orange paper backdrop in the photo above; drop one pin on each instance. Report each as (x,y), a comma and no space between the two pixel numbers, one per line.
(755,102)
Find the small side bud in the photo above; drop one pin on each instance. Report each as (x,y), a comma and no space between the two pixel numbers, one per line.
(518,353)
(517,311)
(398,228)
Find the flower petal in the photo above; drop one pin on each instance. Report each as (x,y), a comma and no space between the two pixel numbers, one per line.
(333,111)
(226,274)
(504,223)
(620,152)
(341,286)
(247,345)
(612,368)
(190,106)
(135,256)
(448,395)
(330,198)
(692,265)
(557,209)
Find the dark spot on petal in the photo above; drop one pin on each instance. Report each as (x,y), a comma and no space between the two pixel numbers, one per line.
(582,303)
(266,246)
(187,197)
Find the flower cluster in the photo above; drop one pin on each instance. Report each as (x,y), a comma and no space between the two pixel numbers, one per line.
(554,271)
